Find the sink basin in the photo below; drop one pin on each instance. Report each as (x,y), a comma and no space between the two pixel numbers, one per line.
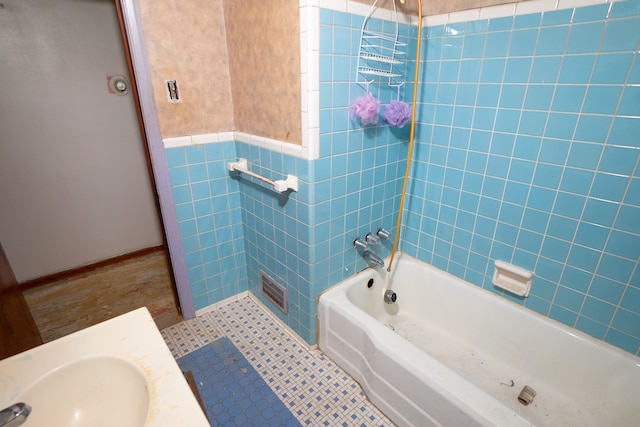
(92,392)
(117,373)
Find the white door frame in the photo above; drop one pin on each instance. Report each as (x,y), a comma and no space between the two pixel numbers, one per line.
(138,53)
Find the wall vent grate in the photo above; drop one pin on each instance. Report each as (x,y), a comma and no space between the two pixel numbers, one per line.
(275,292)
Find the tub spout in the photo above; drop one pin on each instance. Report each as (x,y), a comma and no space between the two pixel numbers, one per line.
(370,257)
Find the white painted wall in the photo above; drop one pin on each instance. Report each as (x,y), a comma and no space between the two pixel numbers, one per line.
(74,187)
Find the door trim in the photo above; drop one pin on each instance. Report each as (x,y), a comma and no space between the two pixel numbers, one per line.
(138,55)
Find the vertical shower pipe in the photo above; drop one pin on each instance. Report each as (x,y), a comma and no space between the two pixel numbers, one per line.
(412,134)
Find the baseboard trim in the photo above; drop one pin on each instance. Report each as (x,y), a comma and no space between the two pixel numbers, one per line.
(222,303)
(66,274)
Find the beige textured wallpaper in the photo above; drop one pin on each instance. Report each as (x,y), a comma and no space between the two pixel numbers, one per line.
(435,7)
(264,57)
(186,42)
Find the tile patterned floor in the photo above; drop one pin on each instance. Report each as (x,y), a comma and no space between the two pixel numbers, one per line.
(234,394)
(311,386)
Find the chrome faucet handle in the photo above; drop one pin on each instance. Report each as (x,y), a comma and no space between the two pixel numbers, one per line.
(383,234)
(372,239)
(14,415)
(360,245)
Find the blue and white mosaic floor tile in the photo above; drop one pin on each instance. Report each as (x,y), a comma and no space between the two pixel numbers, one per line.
(306,383)
(233,393)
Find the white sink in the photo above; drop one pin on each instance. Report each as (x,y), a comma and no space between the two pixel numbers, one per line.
(92,392)
(118,373)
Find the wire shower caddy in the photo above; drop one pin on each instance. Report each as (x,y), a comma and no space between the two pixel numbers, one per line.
(378,53)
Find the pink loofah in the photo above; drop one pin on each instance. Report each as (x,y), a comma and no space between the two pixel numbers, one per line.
(366,108)
(397,113)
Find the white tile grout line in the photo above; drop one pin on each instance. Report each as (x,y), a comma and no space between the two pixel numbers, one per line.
(313,388)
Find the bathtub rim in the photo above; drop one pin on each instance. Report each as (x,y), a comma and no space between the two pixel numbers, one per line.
(576,333)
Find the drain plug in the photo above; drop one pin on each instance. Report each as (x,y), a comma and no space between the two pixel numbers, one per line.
(526,395)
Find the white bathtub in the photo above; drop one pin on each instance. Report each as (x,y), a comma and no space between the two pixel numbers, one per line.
(447,352)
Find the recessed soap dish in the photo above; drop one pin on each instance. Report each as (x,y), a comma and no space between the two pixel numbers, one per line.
(512,278)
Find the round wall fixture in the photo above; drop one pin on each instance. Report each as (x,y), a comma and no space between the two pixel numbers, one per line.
(118,85)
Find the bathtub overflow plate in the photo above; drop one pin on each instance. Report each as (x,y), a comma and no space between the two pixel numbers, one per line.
(390,296)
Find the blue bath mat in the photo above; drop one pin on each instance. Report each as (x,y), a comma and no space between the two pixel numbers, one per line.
(233,393)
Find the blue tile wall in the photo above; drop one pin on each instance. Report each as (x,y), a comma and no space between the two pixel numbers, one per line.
(526,151)
(304,241)
(529,154)
(279,234)
(358,179)
(210,220)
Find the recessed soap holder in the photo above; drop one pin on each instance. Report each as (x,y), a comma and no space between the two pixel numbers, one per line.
(512,278)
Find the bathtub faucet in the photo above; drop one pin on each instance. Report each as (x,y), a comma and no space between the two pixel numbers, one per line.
(369,256)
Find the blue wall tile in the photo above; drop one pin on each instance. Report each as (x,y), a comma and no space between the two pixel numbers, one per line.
(621,35)
(557,17)
(618,160)
(498,24)
(597,12)
(593,128)
(630,102)
(523,42)
(508,164)
(602,99)
(545,69)
(551,162)
(202,207)
(539,97)
(576,69)
(585,38)
(527,21)
(611,68)
(625,131)
(626,8)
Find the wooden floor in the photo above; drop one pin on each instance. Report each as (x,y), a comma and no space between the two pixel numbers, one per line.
(73,303)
